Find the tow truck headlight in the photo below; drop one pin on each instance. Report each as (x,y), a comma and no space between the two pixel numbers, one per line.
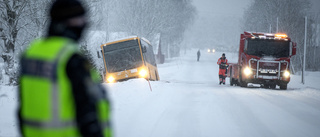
(111,79)
(247,71)
(213,50)
(208,50)
(286,74)
(143,73)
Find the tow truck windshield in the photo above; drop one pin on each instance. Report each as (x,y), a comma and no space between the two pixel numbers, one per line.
(266,47)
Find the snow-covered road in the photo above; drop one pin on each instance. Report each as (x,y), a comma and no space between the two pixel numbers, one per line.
(189,102)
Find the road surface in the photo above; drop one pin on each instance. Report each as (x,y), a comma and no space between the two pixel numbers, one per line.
(189,102)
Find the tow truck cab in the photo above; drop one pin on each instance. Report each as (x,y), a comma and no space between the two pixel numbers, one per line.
(264,58)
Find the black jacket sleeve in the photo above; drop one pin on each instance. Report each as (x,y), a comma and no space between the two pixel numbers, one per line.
(78,71)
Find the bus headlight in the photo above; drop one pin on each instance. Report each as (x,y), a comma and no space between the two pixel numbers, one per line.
(110,79)
(143,73)
(208,50)
(213,50)
(247,71)
(286,74)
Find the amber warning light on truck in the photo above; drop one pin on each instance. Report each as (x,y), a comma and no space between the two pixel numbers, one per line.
(281,35)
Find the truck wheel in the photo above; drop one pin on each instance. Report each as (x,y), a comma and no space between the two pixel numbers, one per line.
(242,83)
(273,86)
(230,77)
(283,86)
(264,86)
(231,82)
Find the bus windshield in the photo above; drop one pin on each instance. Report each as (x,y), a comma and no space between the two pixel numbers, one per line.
(263,47)
(122,56)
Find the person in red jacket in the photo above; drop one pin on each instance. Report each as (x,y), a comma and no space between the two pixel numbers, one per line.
(223,64)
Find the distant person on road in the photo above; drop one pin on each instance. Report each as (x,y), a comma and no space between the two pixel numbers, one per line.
(198,55)
(223,65)
(60,94)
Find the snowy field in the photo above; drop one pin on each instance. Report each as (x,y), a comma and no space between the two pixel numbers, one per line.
(189,102)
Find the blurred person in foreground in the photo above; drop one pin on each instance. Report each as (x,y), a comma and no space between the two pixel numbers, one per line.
(60,94)
(223,65)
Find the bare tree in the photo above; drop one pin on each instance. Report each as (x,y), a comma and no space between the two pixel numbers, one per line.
(38,15)
(149,17)
(313,49)
(11,13)
(20,22)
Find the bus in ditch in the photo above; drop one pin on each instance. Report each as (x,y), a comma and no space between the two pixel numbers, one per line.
(129,58)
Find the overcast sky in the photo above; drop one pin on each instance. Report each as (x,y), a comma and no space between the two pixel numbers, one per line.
(217,23)
(232,7)
(315,5)
(221,7)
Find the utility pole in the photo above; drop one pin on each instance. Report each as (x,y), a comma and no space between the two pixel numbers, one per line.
(304,52)
(277,25)
(107,31)
(270,27)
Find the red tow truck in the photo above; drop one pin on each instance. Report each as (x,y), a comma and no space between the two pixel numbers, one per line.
(264,58)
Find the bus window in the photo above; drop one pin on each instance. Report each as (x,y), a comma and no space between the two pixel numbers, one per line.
(122,56)
(149,54)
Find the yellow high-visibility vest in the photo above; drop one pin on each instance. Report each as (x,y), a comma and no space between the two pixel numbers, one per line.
(47,102)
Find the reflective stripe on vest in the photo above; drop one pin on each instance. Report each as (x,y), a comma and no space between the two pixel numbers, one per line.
(44,69)
(48,70)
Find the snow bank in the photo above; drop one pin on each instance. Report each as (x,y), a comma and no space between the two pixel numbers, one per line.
(8,105)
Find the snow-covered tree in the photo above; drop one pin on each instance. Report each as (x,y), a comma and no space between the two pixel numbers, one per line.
(147,18)
(38,15)
(11,14)
(20,22)
(313,42)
